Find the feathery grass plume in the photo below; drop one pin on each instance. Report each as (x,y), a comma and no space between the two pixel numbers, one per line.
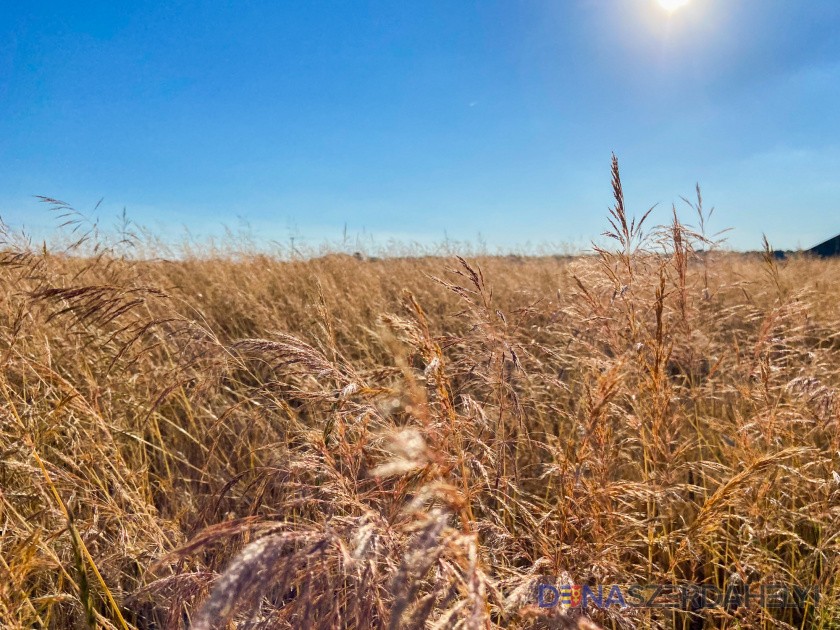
(250,575)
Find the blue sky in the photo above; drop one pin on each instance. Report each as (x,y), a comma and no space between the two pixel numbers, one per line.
(423,119)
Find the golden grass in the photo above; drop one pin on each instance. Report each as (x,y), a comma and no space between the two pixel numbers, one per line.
(247,442)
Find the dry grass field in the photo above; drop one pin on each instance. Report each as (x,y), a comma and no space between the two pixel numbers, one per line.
(232,440)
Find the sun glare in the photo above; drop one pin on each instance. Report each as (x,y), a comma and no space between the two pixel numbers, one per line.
(673,5)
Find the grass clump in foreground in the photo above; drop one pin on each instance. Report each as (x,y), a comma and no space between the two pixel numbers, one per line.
(336,443)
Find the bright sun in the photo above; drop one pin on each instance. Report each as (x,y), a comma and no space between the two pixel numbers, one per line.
(673,5)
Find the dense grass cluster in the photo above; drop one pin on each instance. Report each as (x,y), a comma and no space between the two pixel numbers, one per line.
(250,442)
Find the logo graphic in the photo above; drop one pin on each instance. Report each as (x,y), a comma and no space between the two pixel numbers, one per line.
(570,595)
(684,596)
